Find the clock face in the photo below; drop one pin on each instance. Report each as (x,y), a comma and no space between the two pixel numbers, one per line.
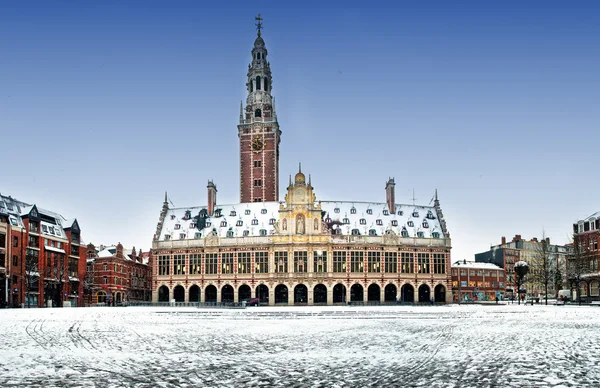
(257,144)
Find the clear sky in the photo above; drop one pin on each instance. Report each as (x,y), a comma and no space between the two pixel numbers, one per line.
(104,105)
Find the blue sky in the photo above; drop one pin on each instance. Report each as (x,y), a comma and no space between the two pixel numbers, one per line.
(104,105)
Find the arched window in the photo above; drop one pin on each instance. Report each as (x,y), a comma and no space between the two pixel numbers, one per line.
(257,113)
(251,86)
(258,82)
(257,55)
(266,80)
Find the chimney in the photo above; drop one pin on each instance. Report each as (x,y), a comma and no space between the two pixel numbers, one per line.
(119,251)
(548,240)
(503,240)
(133,254)
(390,195)
(212,197)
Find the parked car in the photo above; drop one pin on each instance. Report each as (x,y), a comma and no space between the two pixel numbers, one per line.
(252,301)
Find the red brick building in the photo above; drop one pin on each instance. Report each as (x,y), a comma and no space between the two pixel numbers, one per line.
(586,233)
(41,258)
(116,277)
(477,282)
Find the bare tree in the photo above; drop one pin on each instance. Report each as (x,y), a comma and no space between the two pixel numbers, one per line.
(32,275)
(60,274)
(89,282)
(577,266)
(543,266)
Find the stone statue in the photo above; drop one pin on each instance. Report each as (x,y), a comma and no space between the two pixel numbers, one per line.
(300,224)
(285,224)
(316,224)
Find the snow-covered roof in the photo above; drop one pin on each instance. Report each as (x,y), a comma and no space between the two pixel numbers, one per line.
(475,265)
(111,251)
(593,217)
(259,218)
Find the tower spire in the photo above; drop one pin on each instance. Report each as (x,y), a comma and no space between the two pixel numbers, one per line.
(241,112)
(259,24)
(299,166)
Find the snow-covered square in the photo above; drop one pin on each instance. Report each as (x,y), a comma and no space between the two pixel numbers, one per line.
(442,346)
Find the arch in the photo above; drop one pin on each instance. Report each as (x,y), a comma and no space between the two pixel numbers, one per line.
(227,294)
(594,288)
(424,293)
(356,293)
(101,297)
(210,294)
(374,293)
(390,293)
(258,113)
(118,298)
(179,293)
(258,82)
(281,294)
(244,292)
(194,293)
(262,293)
(163,294)
(301,294)
(339,293)
(320,294)
(266,82)
(251,85)
(439,293)
(407,293)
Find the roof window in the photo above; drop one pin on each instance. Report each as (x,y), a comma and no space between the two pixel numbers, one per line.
(192,225)
(167,236)
(435,234)
(425,224)
(404,232)
(352,210)
(172,216)
(363,221)
(355,232)
(263,232)
(400,213)
(197,235)
(394,222)
(328,220)
(369,211)
(430,215)
(246,233)
(255,222)
(230,233)
(247,212)
(411,224)
(208,223)
(177,226)
(181,236)
(272,221)
(420,234)
(386,213)
(223,224)
(415,214)
(263,211)
(346,220)
(379,222)
(232,213)
(336,210)
(239,223)
(372,232)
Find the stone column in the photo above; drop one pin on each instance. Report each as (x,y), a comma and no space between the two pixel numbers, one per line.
(236,294)
(186,295)
(219,294)
(330,296)
(416,296)
(272,296)
(202,293)
(382,295)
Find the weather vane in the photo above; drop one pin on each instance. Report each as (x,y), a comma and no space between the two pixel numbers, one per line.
(259,24)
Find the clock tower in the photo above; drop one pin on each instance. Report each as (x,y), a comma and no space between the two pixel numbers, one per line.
(258,131)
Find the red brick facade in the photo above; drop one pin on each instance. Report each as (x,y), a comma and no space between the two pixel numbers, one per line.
(477,282)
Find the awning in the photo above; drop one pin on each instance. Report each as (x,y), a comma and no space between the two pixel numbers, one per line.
(49,248)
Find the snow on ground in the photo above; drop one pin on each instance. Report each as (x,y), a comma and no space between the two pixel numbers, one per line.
(401,346)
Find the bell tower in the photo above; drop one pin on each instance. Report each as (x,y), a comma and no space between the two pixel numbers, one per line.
(258,130)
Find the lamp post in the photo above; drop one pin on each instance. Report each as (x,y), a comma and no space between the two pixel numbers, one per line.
(521,270)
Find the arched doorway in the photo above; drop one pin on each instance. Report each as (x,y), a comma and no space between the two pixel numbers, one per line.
(163,294)
(210,294)
(424,293)
(262,293)
(374,293)
(407,293)
(194,293)
(227,294)
(439,293)
(339,293)
(179,294)
(281,294)
(244,292)
(320,294)
(390,293)
(356,293)
(301,294)
(101,297)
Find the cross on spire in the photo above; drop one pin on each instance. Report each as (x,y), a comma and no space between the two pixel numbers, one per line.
(259,24)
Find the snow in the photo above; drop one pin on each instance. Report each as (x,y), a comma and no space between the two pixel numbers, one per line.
(423,346)
(475,265)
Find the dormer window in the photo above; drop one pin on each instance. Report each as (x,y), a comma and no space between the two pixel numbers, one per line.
(263,211)
(369,211)
(208,224)
(415,214)
(247,212)
(255,222)
(386,213)
(44,229)
(239,223)
(188,215)
(232,213)
(425,224)
(355,232)
(223,224)
(363,221)
(181,236)
(197,235)
(230,233)
(420,234)
(57,231)
(172,216)
(328,220)
(272,221)
(192,225)
(346,220)
(218,213)
(263,232)
(372,232)
(430,215)
(353,210)
(404,232)
(379,222)
(411,224)
(177,226)
(51,228)
(394,223)
(167,236)
(435,234)
(246,233)
(336,210)
(400,213)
